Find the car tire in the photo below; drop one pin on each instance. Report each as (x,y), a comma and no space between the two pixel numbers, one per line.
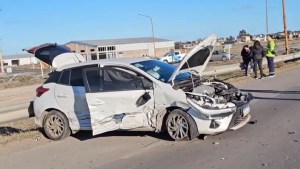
(181,126)
(224,58)
(56,125)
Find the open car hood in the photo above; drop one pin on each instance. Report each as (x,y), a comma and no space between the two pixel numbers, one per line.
(55,55)
(197,59)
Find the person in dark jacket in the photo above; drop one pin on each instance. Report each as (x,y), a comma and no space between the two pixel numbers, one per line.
(257,53)
(246,54)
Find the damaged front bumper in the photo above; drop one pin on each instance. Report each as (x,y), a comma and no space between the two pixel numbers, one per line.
(212,121)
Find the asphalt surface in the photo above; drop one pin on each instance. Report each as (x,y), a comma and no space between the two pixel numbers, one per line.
(271,141)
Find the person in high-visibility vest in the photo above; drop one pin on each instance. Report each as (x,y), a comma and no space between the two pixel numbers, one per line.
(270,54)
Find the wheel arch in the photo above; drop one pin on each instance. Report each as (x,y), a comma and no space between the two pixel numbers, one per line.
(45,112)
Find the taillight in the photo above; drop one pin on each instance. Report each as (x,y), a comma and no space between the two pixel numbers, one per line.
(40,91)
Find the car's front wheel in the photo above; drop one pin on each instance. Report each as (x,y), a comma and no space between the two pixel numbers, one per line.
(181,126)
(56,125)
(224,58)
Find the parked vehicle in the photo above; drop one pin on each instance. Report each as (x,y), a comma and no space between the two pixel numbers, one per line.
(220,55)
(172,57)
(106,95)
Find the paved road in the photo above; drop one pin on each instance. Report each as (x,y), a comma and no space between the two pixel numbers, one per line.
(272,142)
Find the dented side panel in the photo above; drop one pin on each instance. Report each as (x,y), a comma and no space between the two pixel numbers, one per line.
(118,110)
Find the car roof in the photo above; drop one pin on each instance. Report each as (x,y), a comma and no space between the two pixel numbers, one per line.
(118,61)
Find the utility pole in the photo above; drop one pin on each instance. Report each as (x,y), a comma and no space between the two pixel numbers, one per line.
(267,21)
(153,39)
(1,61)
(285,28)
(1,58)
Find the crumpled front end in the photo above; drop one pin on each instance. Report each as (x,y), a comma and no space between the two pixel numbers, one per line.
(216,110)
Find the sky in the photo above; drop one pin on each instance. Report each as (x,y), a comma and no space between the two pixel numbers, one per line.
(28,23)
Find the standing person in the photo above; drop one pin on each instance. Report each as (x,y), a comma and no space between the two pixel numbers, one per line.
(257,53)
(270,56)
(246,54)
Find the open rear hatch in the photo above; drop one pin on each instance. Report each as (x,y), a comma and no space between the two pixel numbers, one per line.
(55,55)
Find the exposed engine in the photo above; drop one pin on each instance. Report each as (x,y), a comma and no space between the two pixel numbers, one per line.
(214,95)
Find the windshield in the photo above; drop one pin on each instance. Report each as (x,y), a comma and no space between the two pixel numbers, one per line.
(160,70)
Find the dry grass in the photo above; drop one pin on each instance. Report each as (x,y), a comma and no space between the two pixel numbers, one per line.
(20,80)
(18,130)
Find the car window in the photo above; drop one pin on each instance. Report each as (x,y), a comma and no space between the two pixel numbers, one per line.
(53,77)
(65,77)
(118,79)
(111,79)
(76,77)
(93,77)
(176,53)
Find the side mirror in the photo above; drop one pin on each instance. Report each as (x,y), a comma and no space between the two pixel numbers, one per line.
(147,84)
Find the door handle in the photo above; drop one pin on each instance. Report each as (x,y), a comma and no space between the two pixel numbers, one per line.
(62,96)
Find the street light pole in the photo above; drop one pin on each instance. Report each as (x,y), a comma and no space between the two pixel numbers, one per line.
(285,28)
(153,39)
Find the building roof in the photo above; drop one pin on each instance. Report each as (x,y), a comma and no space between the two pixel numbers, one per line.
(17,56)
(106,42)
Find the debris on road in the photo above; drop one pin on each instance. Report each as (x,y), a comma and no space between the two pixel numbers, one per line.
(252,122)
(222,158)
(296,141)
(292,132)
(216,143)
(37,138)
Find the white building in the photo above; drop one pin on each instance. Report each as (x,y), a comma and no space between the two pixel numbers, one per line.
(118,48)
(19,59)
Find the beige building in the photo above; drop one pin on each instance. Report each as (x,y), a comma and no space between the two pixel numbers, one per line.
(246,38)
(120,48)
(19,60)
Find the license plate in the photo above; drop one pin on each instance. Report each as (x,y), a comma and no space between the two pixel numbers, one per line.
(246,110)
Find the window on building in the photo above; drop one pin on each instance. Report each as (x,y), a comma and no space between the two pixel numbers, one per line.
(15,62)
(102,55)
(101,49)
(94,56)
(92,50)
(110,48)
(82,51)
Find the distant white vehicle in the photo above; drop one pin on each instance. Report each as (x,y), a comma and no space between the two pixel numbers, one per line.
(172,57)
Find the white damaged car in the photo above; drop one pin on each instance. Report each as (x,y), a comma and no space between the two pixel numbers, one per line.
(118,94)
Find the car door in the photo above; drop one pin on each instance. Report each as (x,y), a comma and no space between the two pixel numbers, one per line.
(70,96)
(117,99)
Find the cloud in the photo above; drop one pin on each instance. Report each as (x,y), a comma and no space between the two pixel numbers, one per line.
(244,8)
